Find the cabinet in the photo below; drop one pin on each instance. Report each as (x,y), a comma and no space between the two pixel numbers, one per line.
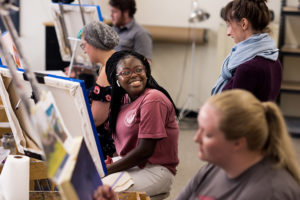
(290,56)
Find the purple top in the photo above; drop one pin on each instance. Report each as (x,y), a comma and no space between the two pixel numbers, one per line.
(260,76)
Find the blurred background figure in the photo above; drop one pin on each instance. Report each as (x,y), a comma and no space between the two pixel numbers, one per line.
(98,42)
(133,36)
(253,63)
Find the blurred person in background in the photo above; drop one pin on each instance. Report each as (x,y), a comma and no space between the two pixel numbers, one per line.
(253,63)
(133,37)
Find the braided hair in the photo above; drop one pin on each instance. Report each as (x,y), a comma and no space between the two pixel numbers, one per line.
(118,93)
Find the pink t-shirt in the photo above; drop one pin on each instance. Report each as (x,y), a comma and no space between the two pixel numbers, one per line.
(151,115)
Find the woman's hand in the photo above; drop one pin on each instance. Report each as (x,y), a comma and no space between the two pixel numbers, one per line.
(105,193)
(76,70)
(139,155)
(72,74)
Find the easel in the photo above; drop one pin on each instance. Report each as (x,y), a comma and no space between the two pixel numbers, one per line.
(197,15)
(38,168)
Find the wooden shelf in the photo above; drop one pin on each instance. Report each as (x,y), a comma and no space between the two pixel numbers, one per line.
(45,195)
(168,33)
(38,169)
(289,10)
(291,86)
(4,125)
(286,49)
(293,125)
(50,23)
(175,34)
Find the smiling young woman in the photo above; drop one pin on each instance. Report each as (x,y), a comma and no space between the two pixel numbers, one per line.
(132,77)
(143,124)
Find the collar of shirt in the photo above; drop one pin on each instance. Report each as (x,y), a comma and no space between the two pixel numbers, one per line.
(127,26)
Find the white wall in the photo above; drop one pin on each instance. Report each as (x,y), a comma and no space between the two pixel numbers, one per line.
(176,12)
(33,14)
(169,66)
(168,59)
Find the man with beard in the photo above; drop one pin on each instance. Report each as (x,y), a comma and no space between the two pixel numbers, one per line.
(133,36)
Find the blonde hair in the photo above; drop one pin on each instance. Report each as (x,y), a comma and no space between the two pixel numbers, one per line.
(261,123)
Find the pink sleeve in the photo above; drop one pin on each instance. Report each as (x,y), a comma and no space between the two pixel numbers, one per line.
(153,117)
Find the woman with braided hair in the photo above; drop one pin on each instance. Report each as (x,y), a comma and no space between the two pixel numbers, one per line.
(253,63)
(143,124)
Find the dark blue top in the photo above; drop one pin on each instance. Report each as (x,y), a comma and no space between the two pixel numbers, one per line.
(260,76)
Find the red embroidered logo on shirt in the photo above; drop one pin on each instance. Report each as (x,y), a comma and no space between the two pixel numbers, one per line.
(130,117)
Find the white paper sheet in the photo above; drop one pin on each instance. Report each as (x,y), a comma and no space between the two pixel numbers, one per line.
(122,184)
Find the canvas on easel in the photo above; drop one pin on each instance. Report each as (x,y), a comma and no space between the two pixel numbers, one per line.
(71,101)
(68,24)
(79,178)
(11,49)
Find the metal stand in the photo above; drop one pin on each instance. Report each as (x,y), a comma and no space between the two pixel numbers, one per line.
(197,15)
(188,102)
(81,13)
(5,7)
(73,54)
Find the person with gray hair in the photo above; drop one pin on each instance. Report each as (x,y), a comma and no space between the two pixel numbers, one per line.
(100,36)
(98,42)
(98,39)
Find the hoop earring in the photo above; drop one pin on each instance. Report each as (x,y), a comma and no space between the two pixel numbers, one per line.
(118,84)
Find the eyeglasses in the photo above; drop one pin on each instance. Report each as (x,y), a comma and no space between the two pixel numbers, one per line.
(128,72)
(82,45)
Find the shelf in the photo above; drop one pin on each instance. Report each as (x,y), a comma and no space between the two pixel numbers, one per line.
(50,23)
(293,125)
(176,34)
(290,86)
(4,125)
(289,10)
(167,33)
(290,50)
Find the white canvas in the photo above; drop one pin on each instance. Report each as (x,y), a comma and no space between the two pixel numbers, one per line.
(72,103)
(74,24)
